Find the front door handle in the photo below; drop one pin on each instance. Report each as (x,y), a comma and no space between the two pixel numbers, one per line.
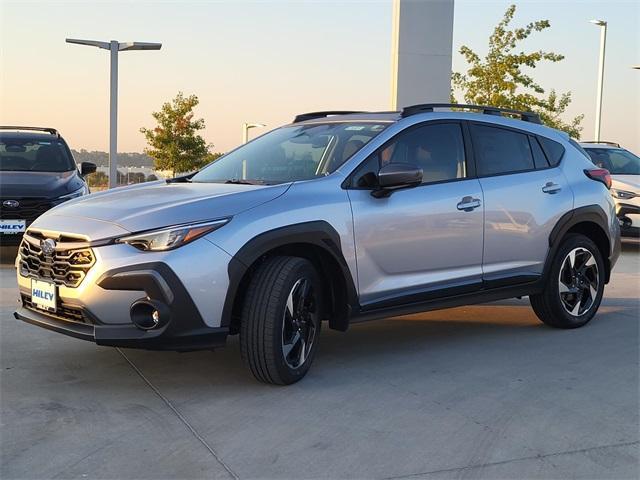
(551,188)
(467,204)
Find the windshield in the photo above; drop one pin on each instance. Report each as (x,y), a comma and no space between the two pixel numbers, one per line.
(291,153)
(18,154)
(617,160)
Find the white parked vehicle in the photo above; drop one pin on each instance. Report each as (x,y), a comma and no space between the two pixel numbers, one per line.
(624,167)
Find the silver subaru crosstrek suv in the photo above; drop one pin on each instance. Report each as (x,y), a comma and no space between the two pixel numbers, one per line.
(339,216)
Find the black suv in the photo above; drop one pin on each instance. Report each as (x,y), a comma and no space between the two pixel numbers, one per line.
(38,173)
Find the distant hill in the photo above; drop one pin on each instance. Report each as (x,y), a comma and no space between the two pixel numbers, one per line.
(101,159)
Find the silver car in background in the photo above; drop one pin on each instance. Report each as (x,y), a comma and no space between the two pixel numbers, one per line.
(339,216)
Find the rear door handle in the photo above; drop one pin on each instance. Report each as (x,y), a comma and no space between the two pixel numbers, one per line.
(467,204)
(551,188)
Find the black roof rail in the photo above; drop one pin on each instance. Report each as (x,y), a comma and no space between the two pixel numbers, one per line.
(311,115)
(486,109)
(613,144)
(52,131)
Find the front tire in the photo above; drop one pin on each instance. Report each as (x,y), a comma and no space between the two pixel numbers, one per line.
(280,320)
(575,285)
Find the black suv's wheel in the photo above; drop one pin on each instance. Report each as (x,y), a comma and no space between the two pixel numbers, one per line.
(573,290)
(280,322)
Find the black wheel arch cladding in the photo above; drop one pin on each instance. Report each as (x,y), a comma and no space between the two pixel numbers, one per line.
(592,222)
(317,241)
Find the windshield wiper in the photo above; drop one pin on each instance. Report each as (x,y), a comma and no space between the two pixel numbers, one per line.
(181,179)
(237,181)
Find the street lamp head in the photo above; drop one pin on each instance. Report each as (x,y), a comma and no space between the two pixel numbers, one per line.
(91,43)
(139,46)
(122,46)
(600,23)
(255,125)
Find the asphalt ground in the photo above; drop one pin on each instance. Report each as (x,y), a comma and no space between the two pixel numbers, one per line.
(475,392)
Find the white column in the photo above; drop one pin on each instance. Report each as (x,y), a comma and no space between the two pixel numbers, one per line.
(245,133)
(603,44)
(421,51)
(113,117)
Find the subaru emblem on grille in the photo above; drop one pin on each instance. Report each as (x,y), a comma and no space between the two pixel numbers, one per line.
(11,203)
(48,246)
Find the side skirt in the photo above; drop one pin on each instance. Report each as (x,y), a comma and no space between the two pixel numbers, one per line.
(481,296)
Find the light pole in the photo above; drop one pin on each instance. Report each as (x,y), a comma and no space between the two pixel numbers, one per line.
(245,130)
(114,47)
(603,42)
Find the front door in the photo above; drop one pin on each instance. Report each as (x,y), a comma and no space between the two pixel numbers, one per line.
(425,241)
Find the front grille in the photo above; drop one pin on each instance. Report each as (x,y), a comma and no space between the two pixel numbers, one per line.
(29,209)
(67,265)
(63,311)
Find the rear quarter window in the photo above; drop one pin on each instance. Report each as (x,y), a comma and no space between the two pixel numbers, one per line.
(553,150)
(539,158)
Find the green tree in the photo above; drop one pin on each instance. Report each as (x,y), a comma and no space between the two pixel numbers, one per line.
(212,157)
(174,143)
(498,79)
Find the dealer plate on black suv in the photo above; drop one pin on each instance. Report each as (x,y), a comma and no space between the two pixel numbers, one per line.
(12,227)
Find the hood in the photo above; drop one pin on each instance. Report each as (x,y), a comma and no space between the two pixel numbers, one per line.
(630,183)
(38,184)
(160,204)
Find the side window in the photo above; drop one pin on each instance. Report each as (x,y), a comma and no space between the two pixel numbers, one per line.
(539,157)
(437,148)
(553,149)
(500,151)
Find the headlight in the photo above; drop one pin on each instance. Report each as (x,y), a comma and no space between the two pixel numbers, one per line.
(623,194)
(169,238)
(83,190)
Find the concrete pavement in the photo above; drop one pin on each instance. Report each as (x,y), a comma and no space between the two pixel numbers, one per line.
(475,392)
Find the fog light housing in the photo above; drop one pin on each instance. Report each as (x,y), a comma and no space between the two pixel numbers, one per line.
(149,314)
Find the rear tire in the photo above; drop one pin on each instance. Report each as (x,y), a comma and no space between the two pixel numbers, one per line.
(280,320)
(575,284)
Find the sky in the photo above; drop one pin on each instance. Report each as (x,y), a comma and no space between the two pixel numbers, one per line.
(265,61)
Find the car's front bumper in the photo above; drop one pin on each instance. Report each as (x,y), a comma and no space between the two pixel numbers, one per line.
(178,337)
(628,211)
(190,283)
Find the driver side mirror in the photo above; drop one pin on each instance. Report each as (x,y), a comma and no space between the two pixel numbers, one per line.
(395,176)
(87,168)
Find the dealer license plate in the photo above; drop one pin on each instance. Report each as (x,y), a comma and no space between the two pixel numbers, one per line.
(11,227)
(43,295)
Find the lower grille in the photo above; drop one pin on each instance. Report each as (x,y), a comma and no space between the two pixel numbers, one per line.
(64,311)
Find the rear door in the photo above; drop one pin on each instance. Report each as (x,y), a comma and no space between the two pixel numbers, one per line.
(525,194)
(425,241)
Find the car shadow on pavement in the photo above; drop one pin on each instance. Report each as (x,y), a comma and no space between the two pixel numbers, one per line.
(493,332)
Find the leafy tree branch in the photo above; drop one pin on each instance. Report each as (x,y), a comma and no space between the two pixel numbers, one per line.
(498,79)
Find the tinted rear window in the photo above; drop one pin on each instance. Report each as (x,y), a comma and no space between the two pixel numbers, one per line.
(20,154)
(539,157)
(553,149)
(501,151)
